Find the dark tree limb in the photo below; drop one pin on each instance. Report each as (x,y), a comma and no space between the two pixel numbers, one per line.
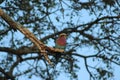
(85,60)
(7,74)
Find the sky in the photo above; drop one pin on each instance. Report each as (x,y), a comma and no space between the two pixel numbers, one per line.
(82,73)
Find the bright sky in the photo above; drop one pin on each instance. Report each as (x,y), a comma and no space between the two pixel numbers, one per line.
(82,73)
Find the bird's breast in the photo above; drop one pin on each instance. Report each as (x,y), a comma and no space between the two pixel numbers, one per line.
(61,41)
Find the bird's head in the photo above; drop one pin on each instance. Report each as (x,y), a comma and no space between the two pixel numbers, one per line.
(63,35)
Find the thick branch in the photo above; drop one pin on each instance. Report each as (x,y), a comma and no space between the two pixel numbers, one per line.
(27,33)
(26,50)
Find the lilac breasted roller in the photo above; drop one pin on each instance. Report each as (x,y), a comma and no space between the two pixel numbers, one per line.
(60,44)
(61,41)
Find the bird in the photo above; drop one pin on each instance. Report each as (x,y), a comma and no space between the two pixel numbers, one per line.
(61,41)
(60,44)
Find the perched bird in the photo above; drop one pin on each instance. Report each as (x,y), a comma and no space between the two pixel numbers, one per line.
(60,44)
(61,41)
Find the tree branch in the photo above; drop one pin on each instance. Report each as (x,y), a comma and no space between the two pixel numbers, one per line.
(27,33)
(41,47)
(7,75)
(85,59)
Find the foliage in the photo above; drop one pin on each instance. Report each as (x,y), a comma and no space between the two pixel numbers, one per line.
(89,24)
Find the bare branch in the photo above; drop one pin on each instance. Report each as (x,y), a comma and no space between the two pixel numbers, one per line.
(7,75)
